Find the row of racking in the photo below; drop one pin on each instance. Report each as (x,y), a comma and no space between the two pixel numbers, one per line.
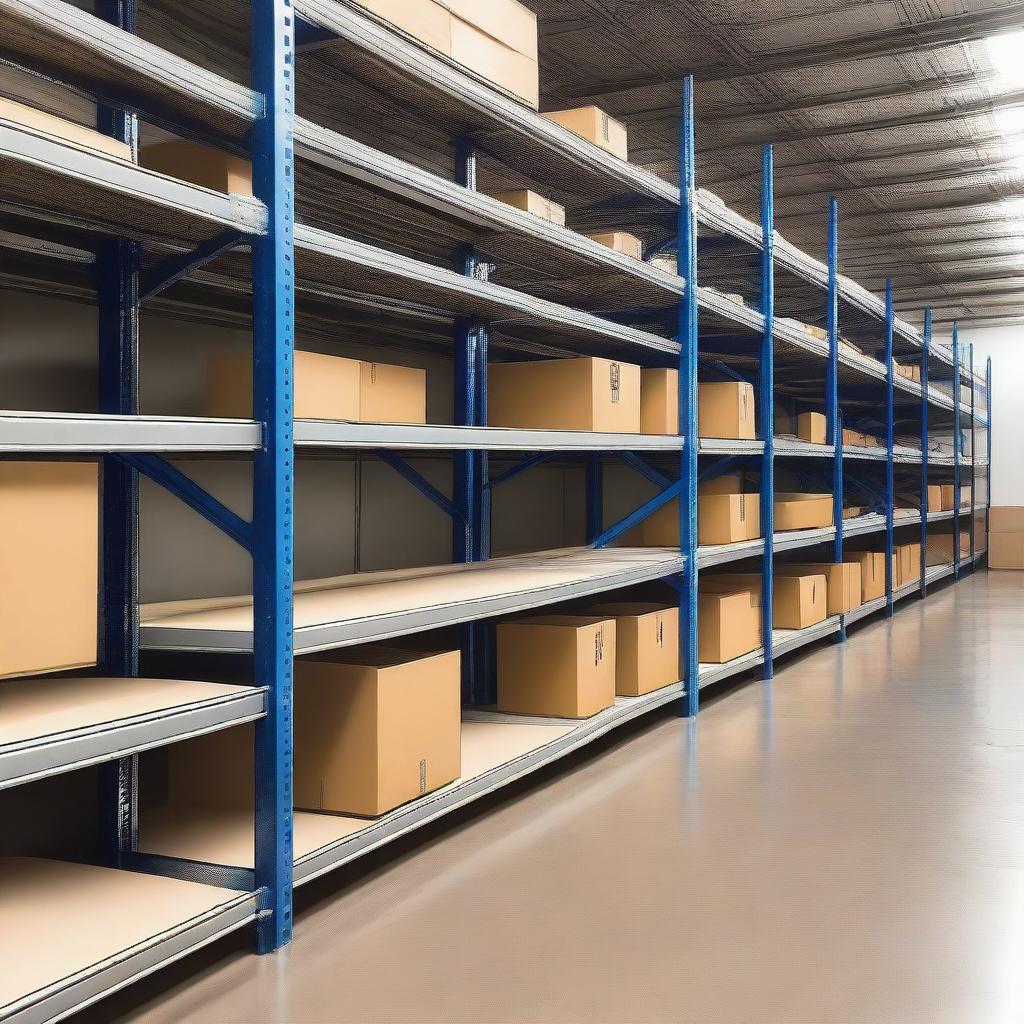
(81,223)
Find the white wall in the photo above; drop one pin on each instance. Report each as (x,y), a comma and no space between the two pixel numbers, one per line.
(1006,347)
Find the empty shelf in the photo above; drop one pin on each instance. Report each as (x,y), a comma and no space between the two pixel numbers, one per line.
(362,607)
(55,725)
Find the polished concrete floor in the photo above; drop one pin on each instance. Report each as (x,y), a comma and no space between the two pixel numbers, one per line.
(845,845)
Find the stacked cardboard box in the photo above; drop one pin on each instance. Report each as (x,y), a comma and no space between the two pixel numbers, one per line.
(861,440)
(594,125)
(872,573)
(909,371)
(532,202)
(842,580)
(728,622)
(726,410)
(201,165)
(726,514)
(496,40)
(800,599)
(621,241)
(61,129)
(1006,537)
(49,549)
(906,566)
(565,394)
(646,645)
(561,666)
(326,388)
(802,511)
(659,401)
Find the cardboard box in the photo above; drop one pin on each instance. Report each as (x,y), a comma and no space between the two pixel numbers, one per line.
(202,165)
(495,62)
(557,665)
(424,20)
(508,21)
(812,427)
(872,573)
(798,601)
(934,498)
(728,624)
(948,497)
(726,410)
(621,241)
(596,126)
(659,401)
(852,511)
(646,645)
(531,202)
(906,564)
(855,437)
(725,515)
(565,394)
(392,394)
(908,371)
(62,129)
(375,727)
(940,547)
(842,580)
(1006,519)
(785,418)
(816,332)
(1006,549)
(802,511)
(326,387)
(49,550)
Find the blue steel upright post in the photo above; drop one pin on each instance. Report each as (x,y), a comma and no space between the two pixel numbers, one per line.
(833,413)
(273,269)
(766,404)
(974,448)
(687,267)
(890,477)
(926,351)
(956,451)
(988,453)
(117,293)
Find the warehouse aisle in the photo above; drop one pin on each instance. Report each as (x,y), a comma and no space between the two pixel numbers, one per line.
(845,846)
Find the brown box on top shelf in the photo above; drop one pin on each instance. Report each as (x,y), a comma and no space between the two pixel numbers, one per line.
(495,62)
(392,394)
(425,20)
(798,601)
(49,550)
(940,547)
(508,21)
(593,124)
(532,202)
(621,241)
(728,624)
(375,727)
(659,401)
(726,410)
(842,580)
(802,511)
(872,572)
(326,387)
(646,645)
(565,394)
(201,165)
(62,129)
(562,666)
(812,427)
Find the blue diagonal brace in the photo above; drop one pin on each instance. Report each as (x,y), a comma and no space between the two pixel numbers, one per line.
(522,466)
(718,468)
(420,482)
(722,368)
(171,270)
(870,491)
(161,472)
(645,469)
(639,515)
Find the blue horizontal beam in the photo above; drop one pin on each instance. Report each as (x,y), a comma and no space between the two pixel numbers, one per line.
(161,472)
(421,483)
(220,875)
(639,515)
(171,270)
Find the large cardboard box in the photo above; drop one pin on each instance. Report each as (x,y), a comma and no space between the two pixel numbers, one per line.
(725,514)
(557,665)
(908,371)
(594,125)
(565,394)
(532,202)
(62,129)
(202,165)
(1006,519)
(375,727)
(326,387)
(621,241)
(659,401)
(728,624)
(49,550)
(495,62)
(392,394)
(1006,550)
(949,497)
(726,410)
(812,427)
(425,20)
(872,573)
(508,21)
(802,511)
(842,580)
(798,601)
(646,645)
(934,498)
(906,564)
(940,547)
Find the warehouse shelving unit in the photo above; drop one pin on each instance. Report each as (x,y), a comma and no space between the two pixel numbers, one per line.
(151,238)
